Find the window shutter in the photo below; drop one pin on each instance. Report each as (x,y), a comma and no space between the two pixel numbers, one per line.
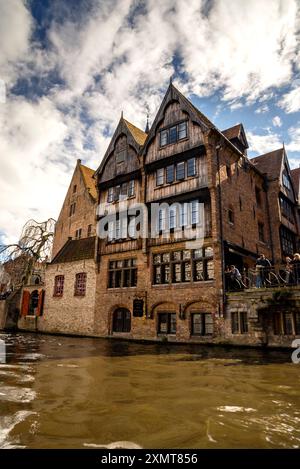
(25,303)
(40,303)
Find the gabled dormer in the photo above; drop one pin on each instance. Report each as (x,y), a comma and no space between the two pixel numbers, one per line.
(122,156)
(178,127)
(237,136)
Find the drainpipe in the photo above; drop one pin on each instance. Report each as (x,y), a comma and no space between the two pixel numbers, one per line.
(218,148)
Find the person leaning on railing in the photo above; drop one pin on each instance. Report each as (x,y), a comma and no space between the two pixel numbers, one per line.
(262,265)
(296,268)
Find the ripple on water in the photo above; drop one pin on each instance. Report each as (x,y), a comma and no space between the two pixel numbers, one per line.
(233,408)
(13,394)
(8,423)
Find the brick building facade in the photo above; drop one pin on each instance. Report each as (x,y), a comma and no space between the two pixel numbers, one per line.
(202,205)
(65,302)
(173,287)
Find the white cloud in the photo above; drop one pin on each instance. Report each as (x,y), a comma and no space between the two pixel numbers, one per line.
(276,121)
(262,109)
(109,62)
(294,144)
(263,143)
(15,30)
(290,101)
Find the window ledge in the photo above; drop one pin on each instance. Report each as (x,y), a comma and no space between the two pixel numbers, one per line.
(184,284)
(174,183)
(173,143)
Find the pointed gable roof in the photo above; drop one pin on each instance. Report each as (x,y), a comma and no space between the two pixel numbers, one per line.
(89,181)
(138,134)
(270,163)
(135,137)
(236,132)
(173,94)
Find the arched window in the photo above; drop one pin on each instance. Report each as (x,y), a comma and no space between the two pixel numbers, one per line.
(121,320)
(34,300)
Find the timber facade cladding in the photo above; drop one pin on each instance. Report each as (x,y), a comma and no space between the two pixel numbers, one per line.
(180,285)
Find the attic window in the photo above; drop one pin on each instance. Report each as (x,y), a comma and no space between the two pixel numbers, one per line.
(74,188)
(173,134)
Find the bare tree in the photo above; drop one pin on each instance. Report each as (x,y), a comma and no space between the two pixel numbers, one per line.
(30,253)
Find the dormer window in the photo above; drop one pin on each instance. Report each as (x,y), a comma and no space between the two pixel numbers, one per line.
(173,134)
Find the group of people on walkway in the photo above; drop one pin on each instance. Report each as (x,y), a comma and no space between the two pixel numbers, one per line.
(292,269)
(290,274)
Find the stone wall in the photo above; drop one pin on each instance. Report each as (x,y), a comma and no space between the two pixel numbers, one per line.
(260,305)
(69,314)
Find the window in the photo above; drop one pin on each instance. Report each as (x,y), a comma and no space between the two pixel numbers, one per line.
(183,266)
(286,209)
(239,323)
(123,191)
(173,134)
(80,284)
(172,218)
(182,130)
(287,241)
(286,323)
(122,273)
(258,196)
(89,230)
(160,179)
(132,227)
(166,323)
(231,216)
(78,233)
(202,324)
(59,285)
(180,171)
(194,212)
(74,188)
(121,320)
(261,232)
(72,209)
(131,188)
(191,167)
(110,194)
(161,220)
(164,138)
(241,204)
(170,174)
(286,181)
(184,214)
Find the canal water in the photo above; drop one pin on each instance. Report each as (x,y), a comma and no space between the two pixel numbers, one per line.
(66,392)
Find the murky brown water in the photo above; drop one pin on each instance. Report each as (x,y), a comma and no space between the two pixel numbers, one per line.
(62,392)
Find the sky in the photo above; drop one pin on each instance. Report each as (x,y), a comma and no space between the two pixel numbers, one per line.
(68,68)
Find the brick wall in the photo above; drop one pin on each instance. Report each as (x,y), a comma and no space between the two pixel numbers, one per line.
(69,314)
(84,215)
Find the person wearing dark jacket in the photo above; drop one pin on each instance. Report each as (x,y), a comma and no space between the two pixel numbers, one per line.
(262,265)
